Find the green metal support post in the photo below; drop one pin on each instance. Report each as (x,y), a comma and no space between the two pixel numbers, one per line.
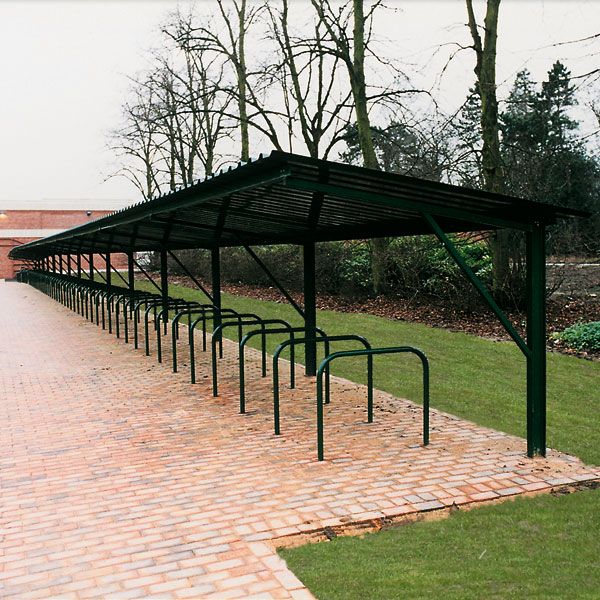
(108,272)
(131,274)
(164,287)
(310,307)
(54,263)
(215,258)
(536,340)
(78,266)
(534,349)
(91,263)
(108,280)
(69,265)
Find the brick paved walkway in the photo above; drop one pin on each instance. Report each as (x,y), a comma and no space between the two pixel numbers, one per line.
(119,479)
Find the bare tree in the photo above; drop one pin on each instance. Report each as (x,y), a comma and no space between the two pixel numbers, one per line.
(178,117)
(314,96)
(230,41)
(200,103)
(352,53)
(135,143)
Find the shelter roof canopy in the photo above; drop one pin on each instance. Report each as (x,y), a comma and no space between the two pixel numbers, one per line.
(290,199)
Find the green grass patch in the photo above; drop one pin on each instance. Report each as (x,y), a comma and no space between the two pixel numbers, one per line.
(542,547)
(477,379)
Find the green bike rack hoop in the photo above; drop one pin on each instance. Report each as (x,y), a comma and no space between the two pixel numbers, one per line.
(288,329)
(370,352)
(240,320)
(192,328)
(326,340)
(194,309)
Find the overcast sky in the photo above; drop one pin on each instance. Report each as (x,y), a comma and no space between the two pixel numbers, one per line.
(64,67)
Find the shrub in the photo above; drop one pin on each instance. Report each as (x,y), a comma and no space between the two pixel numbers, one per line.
(581,336)
(350,266)
(415,266)
(420,265)
(341,267)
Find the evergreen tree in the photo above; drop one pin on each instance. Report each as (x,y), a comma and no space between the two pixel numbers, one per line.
(518,120)
(521,138)
(555,98)
(545,161)
(467,131)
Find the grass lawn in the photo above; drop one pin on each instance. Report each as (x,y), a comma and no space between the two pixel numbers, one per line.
(542,547)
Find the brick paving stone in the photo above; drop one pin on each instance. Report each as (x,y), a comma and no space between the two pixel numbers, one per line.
(120,479)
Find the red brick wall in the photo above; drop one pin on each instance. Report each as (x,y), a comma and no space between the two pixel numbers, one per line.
(8,266)
(48,219)
(45,219)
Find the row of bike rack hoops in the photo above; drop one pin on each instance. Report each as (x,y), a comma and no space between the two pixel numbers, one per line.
(108,305)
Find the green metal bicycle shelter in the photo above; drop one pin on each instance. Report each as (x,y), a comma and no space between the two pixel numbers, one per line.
(285,198)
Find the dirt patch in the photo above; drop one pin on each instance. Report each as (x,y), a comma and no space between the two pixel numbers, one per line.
(562,311)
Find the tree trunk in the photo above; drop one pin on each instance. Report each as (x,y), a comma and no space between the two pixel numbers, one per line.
(359,88)
(493,175)
(491,158)
(365,137)
(241,82)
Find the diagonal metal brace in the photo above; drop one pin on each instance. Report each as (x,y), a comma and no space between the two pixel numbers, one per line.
(272,277)
(143,271)
(469,273)
(114,270)
(187,272)
(93,266)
